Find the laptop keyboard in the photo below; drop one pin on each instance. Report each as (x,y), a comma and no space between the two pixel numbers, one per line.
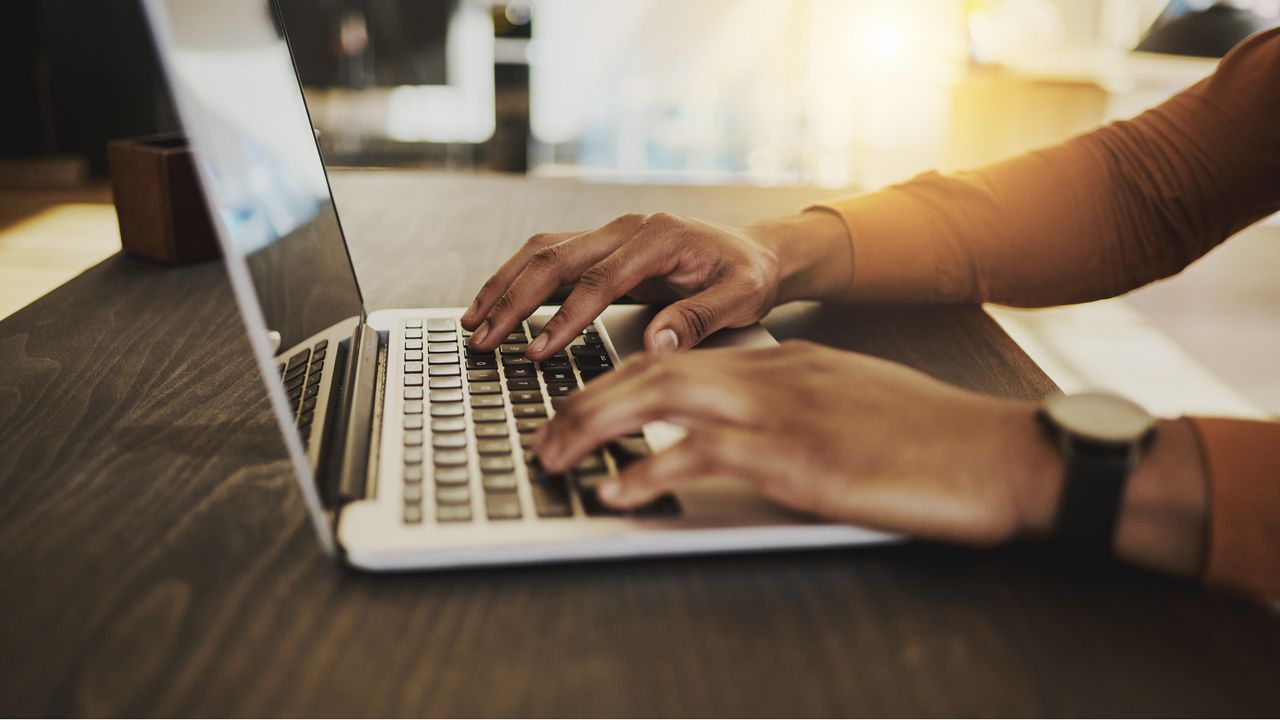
(468,418)
(301,375)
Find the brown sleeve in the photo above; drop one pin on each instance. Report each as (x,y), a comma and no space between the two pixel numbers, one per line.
(1243,461)
(1093,217)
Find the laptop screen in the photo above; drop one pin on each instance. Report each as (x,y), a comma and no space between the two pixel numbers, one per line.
(249,126)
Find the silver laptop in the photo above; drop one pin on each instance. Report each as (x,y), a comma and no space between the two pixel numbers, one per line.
(409,450)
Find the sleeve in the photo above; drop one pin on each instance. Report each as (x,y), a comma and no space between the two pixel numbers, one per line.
(1242,458)
(1093,217)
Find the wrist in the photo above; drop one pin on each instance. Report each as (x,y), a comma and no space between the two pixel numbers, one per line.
(813,252)
(1036,471)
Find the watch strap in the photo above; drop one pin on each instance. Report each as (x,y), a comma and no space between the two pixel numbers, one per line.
(1093,490)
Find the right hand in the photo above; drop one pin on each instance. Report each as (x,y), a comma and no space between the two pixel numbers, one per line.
(713,276)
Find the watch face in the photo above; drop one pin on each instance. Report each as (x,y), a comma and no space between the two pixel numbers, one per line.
(1100,417)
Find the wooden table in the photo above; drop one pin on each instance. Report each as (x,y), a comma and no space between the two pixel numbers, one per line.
(155,557)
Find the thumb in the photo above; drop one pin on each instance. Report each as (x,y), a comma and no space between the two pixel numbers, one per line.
(687,322)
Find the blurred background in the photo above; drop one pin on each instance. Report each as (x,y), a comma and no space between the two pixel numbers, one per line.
(839,94)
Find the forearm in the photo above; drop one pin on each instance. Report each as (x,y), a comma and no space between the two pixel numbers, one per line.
(814,254)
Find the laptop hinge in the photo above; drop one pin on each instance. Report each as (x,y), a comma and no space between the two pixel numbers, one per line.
(357,412)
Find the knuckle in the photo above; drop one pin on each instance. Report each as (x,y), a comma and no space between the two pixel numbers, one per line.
(501,305)
(538,240)
(700,318)
(546,258)
(597,279)
(660,219)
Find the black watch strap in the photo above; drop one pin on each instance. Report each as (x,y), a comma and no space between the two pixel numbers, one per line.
(1096,476)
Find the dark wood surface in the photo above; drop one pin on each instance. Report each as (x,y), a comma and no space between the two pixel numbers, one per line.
(155,558)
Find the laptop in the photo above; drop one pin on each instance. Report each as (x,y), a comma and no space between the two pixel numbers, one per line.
(411,451)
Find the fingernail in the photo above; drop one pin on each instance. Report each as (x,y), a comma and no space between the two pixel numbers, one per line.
(611,491)
(477,337)
(539,344)
(666,340)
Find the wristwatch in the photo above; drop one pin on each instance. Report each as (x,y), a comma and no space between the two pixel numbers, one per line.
(1102,437)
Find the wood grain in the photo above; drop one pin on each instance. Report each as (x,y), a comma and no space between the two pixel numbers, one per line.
(154,558)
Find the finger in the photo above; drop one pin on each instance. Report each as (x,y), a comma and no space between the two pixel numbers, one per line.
(635,261)
(714,450)
(547,269)
(593,417)
(685,323)
(498,283)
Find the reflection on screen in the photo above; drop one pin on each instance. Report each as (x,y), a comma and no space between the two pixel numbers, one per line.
(248,123)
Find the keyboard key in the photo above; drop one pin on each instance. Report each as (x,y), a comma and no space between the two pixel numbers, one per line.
(499,482)
(413,474)
(554,365)
(529,383)
(496,464)
(450,358)
(452,395)
(447,410)
(308,405)
(502,506)
(313,378)
(529,425)
(450,458)
(453,513)
(487,401)
(558,376)
(413,323)
(413,456)
(487,388)
(441,325)
(312,391)
(412,344)
(526,396)
(526,440)
(518,371)
(413,422)
(294,382)
(453,495)
(413,334)
(299,359)
(442,347)
(494,447)
(627,450)
(561,389)
(444,383)
(413,493)
(481,363)
(443,370)
(528,411)
(489,415)
(590,465)
(412,514)
(482,375)
(586,350)
(304,420)
(413,438)
(320,346)
(449,441)
(551,497)
(517,336)
(452,476)
(413,393)
(491,430)
(516,348)
(413,356)
(448,424)
(513,361)
(442,337)
(413,407)
(413,381)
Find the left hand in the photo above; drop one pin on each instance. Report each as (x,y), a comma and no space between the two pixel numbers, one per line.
(837,434)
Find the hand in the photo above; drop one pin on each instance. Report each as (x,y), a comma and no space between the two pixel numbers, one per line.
(832,433)
(714,276)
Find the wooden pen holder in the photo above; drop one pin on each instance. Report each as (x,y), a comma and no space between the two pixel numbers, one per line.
(161,210)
